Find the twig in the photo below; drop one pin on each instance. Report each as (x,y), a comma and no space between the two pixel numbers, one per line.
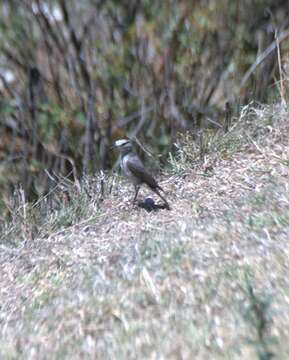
(149,153)
(282,89)
(227,117)
(127,119)
(262,57)
(49,192)
(256,145)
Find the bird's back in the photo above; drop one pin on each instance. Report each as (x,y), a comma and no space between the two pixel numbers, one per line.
(133,168)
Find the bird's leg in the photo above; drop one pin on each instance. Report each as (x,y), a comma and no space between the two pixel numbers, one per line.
(136,188)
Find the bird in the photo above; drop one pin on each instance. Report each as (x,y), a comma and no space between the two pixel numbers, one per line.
(135,171)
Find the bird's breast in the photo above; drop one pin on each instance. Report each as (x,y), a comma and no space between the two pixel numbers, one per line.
(127,172)
(124,166)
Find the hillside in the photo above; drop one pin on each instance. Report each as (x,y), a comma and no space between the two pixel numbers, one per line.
(99,278)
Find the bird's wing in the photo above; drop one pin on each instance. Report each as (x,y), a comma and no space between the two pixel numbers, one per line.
(136,167)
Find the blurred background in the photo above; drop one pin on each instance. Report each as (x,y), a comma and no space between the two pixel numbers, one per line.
(76,75)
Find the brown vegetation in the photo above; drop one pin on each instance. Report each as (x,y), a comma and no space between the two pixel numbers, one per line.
(87,72)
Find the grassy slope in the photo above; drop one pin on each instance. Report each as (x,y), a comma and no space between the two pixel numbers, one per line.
(206,280)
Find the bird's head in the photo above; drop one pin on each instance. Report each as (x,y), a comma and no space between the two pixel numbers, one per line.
(123,145)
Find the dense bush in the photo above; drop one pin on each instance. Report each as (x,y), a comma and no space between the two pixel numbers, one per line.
(82,73)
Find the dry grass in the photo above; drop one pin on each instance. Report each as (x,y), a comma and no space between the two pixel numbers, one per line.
(206,280)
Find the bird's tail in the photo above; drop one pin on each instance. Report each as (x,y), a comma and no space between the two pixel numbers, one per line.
(159,187)
(161,196)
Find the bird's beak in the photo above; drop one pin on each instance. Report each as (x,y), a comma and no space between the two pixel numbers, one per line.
(112,147)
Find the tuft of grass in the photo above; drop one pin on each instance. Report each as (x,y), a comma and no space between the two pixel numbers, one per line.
(194,149)
(66,205)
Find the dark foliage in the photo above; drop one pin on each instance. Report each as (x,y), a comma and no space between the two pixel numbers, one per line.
(82,73)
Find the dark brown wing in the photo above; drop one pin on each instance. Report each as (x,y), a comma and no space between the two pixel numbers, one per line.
(136,167)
